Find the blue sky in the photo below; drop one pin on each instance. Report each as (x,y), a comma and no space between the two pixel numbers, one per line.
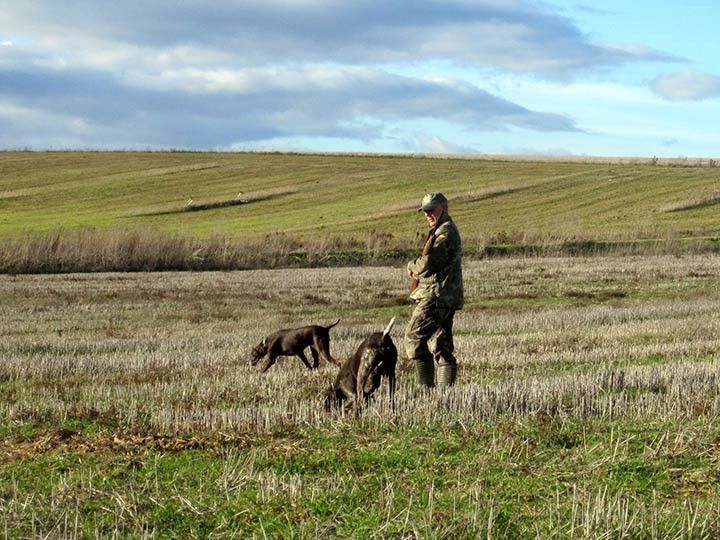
(612,78)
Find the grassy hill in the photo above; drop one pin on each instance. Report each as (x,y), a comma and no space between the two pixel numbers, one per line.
(345,200)
(347,195)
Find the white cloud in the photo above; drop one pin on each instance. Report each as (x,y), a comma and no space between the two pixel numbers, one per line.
(518,36)
(194,74)
(217,108)
(295,79)
(427,143)
(688,85)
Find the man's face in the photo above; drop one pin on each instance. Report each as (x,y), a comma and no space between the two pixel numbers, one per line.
(433,216)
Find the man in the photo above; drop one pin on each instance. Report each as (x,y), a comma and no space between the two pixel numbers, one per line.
(438,292)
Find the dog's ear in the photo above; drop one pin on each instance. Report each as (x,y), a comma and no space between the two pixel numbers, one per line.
(258,352)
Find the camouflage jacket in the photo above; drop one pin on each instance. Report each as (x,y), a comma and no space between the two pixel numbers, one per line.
(440,271)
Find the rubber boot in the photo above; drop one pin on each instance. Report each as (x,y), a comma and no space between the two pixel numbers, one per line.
(425,369)
(446,374)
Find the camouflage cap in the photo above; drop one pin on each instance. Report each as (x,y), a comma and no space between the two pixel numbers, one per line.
(431,200)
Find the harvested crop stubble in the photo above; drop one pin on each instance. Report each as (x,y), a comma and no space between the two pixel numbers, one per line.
(169,352)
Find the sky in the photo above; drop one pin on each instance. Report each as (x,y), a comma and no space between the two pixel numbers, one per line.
(610,78)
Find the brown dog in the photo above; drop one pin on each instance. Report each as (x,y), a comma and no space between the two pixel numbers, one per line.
(361,375)
(293,342)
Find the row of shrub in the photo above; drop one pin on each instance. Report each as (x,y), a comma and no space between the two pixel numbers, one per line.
(86,250)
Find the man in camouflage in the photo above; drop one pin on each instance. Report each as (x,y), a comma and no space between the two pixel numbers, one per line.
(438,293)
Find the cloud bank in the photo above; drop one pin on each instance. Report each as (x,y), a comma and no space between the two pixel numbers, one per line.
(192,74)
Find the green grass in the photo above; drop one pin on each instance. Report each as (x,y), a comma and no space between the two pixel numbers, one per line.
(351,197)
(503,479)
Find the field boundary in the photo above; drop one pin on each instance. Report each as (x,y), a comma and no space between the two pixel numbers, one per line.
(147,251)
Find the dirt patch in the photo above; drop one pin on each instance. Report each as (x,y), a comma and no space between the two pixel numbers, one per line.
(66,440)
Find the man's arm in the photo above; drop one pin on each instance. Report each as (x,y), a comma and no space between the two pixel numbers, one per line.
(435,260)
(427,248)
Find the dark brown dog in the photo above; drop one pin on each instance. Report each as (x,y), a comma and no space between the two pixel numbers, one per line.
(362,374)
(293,342)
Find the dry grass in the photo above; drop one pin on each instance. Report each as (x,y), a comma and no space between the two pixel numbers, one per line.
(149,250)
(692,204)
(557,336)
(159,363)
(139,250)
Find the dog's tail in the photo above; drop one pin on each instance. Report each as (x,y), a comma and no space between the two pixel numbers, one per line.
(333,324)
(389,327)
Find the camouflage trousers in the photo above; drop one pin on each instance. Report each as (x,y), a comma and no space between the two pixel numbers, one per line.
(429,334)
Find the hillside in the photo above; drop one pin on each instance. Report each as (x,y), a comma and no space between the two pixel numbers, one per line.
(246,196)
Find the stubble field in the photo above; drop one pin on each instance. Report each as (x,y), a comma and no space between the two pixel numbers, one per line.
(586,406)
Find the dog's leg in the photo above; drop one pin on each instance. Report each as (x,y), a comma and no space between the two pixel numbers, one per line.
(322,344)
(346,387)
(316,358)
(270,361)
(364,370)
(331,398)
(301,355)
(391,390)
(350,405)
